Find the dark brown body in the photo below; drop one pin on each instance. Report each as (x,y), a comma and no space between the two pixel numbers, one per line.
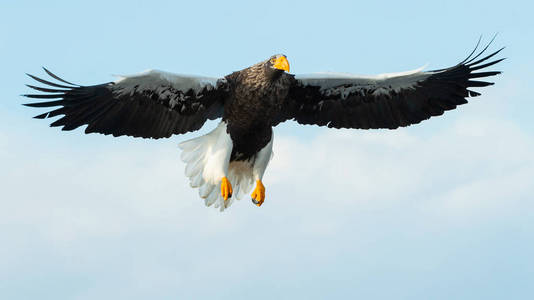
(256,97)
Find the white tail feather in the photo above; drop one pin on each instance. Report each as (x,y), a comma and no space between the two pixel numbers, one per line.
(207,161)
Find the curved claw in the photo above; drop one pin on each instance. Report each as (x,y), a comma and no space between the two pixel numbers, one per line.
(226,188)
(258,195)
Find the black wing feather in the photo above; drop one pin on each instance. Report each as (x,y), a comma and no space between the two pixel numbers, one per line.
(375,104)
(57,78)
(111,109)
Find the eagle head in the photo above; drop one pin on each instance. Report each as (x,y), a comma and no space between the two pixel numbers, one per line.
(275,66)
(278,62)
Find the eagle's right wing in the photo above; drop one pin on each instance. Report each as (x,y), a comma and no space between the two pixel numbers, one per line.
(153,104)
(384,101)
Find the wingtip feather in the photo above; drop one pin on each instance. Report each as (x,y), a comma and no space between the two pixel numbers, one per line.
(58,78)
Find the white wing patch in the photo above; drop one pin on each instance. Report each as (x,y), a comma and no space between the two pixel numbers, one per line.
(344,84)
(156,80)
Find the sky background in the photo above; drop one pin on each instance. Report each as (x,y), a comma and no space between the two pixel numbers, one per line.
(440,210)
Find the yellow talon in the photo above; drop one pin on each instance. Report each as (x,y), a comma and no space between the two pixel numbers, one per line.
(226,188)
(258,195)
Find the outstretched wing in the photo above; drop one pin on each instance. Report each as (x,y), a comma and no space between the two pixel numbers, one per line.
(384,101)
(153,104)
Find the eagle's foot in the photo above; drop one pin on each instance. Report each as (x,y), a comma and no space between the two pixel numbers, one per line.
(258,195)
(226,188)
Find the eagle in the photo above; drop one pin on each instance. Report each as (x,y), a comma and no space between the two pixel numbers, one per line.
(225,163)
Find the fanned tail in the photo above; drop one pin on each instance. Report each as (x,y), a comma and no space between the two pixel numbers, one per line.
(207,160)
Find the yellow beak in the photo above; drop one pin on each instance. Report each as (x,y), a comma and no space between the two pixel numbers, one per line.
(281,63)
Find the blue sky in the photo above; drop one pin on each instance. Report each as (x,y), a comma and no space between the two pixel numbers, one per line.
(441,210)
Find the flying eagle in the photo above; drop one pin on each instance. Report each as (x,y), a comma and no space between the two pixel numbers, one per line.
(225,163)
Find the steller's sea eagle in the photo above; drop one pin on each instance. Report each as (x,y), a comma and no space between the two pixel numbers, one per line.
(224,163)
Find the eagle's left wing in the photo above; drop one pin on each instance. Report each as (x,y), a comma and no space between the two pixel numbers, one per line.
(153,104)
(384,101)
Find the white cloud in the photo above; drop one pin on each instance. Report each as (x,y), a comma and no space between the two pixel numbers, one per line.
(127,205)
